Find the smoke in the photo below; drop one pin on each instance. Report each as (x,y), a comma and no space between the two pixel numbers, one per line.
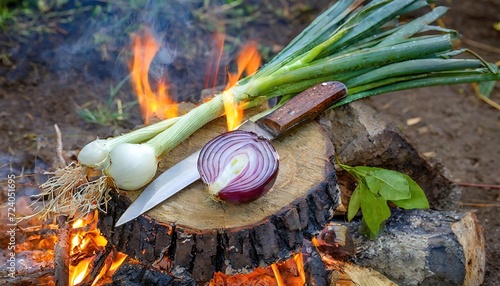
(100,46)
(94,42)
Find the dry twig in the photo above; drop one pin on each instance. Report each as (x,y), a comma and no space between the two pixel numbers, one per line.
(59,148)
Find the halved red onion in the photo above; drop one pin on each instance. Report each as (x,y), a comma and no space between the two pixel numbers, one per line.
(238,166)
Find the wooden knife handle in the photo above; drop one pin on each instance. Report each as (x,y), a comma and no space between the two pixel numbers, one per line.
(302,107)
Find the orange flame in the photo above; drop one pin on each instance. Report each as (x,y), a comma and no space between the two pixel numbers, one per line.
(215,58)
(289,272)
(314,241)
(299,261)
(152,103)
(78,272)
(110,267)
(78,223)
(233,110)
(85,242)
(119,259)
(248,61)
(277,275)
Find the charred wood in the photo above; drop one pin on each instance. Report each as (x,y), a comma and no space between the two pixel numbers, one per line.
(62,252)
(133,273)
(43,277)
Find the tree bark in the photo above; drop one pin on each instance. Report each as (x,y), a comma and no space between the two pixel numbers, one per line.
(192,232)
(422,247)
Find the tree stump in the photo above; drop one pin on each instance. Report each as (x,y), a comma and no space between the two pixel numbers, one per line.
(192,232)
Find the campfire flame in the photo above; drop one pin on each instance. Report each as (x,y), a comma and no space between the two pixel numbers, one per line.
(286,273)
(158,103)
(117,261)
(152,102)
(215,58)
(86,243)
(248,61)
(110,267)
(78,272)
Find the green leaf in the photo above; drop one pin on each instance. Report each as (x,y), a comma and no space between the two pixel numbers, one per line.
(392,185)
(413,27)
(375,187)
(374,208)
(486,87)
(389,184)
(354,204)
(373,184)
(417,200)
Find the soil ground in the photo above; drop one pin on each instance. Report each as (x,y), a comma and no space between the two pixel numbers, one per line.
(40,88)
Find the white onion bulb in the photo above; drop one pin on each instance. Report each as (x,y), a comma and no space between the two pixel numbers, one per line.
(132,166)
(95,154)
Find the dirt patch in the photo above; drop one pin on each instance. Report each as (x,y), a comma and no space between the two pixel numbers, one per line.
(453,125)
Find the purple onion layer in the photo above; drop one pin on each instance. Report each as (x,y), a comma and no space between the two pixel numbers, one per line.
(256,169)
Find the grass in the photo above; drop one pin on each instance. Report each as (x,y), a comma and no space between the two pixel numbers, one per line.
(22,20)
(109,112)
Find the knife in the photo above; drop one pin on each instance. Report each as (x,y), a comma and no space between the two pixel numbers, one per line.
(302,107)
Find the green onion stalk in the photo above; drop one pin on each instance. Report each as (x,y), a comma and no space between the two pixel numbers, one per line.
(359,43)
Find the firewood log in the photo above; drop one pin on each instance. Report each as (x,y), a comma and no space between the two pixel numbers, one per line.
(193,232)
(422,247)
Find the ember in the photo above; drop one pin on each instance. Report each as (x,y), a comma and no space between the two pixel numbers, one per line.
(286,273)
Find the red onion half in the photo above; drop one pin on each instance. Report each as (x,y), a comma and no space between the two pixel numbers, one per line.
(238,166)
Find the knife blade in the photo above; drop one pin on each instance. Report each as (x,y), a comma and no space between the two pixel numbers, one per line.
(302,107)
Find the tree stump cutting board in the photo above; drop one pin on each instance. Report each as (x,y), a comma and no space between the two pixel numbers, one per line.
(191,232)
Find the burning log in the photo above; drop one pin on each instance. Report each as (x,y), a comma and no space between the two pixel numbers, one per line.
(101,263)
(62,252)
(42,277)
(314,267)
(34,255)
(134,273)
(192,232)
